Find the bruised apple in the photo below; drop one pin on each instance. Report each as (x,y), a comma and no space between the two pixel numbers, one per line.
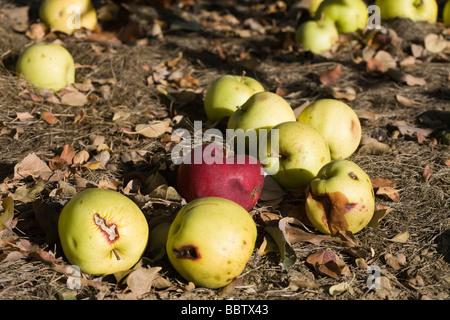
(210,241)
(210,172)
(337,122)
(46,65)
(102,231)
(340,198)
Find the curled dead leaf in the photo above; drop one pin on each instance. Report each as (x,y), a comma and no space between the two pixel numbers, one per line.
(328,263)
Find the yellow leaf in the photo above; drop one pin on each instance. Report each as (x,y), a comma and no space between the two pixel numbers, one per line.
(401,237)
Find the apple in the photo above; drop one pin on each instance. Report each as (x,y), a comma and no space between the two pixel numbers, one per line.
(236,177)
(46,65)
(210,241)
(338,124)
(102,231)
(317,36)
(68,15)
(302,152)
(446,13)
(227,93)
(340,198)
(262,110)
(415,10)
(313,6)
(349,15)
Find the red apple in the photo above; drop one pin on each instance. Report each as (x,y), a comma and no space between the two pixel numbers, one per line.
(211,173)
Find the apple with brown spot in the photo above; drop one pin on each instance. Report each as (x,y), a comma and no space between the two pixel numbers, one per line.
(340,198)
(102,231)
(210,241)
(210,172)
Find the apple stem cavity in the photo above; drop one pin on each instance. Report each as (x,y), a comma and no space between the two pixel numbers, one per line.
(110,231)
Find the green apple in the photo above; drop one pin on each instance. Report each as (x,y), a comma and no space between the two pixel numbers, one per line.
(313,6)
(415,10)
(102,231)
(302,151)
(338,124)
(210,241)
(262,110)
(227,93)
(317,36)
(46,65)
(349,15)
(446,13)
(340,198)
(68,15)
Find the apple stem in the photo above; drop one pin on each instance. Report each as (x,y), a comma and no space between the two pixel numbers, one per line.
(116,253)
(243,76)
(322,17)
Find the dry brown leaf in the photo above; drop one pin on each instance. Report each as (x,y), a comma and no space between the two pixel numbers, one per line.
(68,154)
(380,212)
(375,147)
(81,157)
(326,262)
(392,193)
(404,101)
(378,182)
(293,234)
(73,98)
(140,281)
(332,76)
(33,166)
(447,161)
(37,31)
(426,173)
(6,218)
(154,130)
(402,77)
(49,117)
(435,43)
(397,262)
(375,65)
(347,93)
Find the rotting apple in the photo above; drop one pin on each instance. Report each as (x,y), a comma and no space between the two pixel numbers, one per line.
(337,122)
(349,15)
(68,15)
(46,65)
(302,152)
(262,110)
(237,177)
(340,198)
(415,10)
(102,231)
(227,93)
(210,241)
(317,36)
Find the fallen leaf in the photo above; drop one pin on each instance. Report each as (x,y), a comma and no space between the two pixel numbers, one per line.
(326,262)
(397,262)
(401,237)
(153,130)
(392,193)
(379,213)
(288,256)
(331,76)
(347,93)
(33,166)
(140,281)
(402,77)
(340,288)
(375,147)
(73,98)
(378,182)
(426,173)
(290,228)
(49,117)
(435,43)
(81,157)
(404,101)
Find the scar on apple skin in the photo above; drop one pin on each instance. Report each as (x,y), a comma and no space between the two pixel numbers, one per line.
(108,230)
(353,176)
(187,252)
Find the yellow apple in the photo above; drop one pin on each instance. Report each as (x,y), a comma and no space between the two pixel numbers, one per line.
(338,124)
(415,10)
(302,152)
(340,198)
(68,15)
(102,231)
(227,93)
(313,6)
(349,15)
(317,36)
(262,110)
(46,65)
(210,241)
(446,13)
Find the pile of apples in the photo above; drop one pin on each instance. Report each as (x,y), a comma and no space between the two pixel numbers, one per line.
(330,18)
(213,236)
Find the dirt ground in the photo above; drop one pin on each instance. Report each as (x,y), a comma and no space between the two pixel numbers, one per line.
(150,65)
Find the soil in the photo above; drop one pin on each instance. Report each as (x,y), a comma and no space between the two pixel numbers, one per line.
(152,64)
